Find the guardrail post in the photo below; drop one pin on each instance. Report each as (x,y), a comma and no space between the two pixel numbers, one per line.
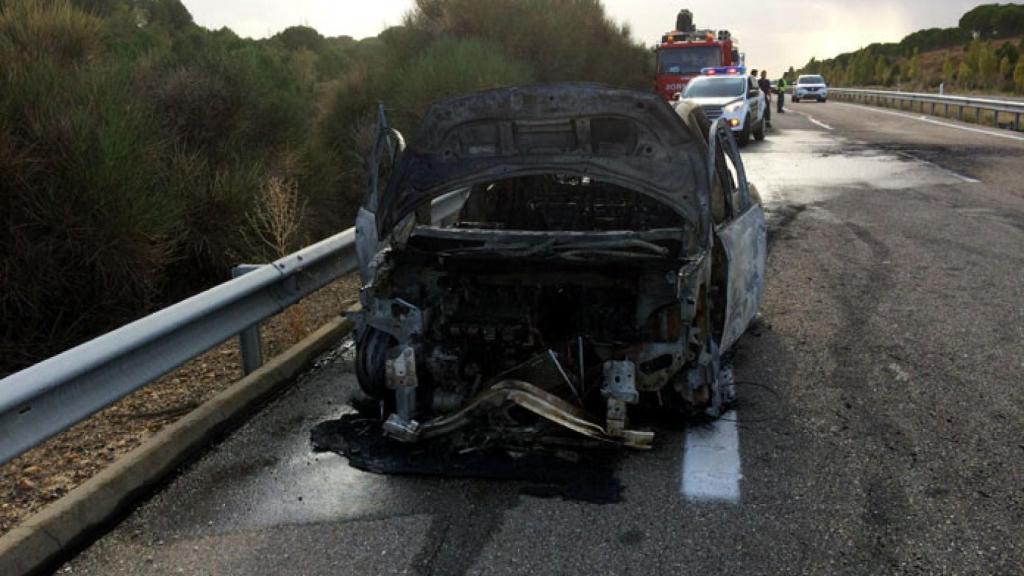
(960,113)
(933,108)
(995,118)
(977,115)
(249,339)
(947,110)
(1016,121)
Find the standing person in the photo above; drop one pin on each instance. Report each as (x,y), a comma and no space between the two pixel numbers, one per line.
(766,86)
(782,94)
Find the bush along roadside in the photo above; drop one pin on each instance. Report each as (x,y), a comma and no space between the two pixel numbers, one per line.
(137,148)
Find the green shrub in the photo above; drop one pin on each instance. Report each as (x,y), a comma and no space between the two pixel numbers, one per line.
(136,147)
(94,221)
(300,38)
(41,30)
(450,67)
(562,40)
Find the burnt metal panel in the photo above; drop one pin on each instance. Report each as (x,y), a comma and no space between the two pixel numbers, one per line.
(629,138)
(744,240)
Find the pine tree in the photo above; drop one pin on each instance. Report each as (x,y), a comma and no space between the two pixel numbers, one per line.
(862,69)
(965,75)
(881,71)
(988,66)
(1005,71)
(948,71)
(914,67)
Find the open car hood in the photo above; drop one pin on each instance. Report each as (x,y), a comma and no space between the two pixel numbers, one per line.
(630,138)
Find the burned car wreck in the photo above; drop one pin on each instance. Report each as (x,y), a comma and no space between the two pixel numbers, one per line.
(541,261)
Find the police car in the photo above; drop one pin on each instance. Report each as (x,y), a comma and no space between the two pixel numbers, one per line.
(731,94)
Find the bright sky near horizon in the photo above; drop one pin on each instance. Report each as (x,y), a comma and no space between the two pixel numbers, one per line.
(774,34)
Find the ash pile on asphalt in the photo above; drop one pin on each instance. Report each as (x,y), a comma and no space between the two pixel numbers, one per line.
(585,475)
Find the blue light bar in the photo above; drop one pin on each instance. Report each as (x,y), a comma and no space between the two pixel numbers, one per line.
(724,71)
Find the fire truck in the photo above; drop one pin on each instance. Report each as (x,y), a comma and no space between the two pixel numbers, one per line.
(685,51)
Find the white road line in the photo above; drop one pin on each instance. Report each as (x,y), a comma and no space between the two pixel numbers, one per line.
(945,171)
(711,463)
(1002,134)
(813,120)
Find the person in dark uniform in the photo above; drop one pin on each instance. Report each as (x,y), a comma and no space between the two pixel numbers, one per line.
(766,86)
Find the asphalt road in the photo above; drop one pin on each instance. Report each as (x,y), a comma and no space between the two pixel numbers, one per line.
(881,429)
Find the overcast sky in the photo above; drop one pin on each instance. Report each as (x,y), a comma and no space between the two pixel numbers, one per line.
(774,34)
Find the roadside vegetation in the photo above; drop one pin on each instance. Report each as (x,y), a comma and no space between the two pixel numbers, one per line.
(141,156)
(984,53)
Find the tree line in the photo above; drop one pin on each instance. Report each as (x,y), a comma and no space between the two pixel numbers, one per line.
(141,155)
(982,53)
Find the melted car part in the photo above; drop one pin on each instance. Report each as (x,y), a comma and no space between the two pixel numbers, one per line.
(587,475)
(524,395)
(589,262)
(607,290)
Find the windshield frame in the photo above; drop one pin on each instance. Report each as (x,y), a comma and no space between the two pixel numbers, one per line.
(811,79)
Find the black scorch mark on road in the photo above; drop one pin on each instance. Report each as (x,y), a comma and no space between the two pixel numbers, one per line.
(584,475)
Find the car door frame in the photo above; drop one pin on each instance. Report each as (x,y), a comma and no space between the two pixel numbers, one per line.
(387,148)
(757,104)
(742,235)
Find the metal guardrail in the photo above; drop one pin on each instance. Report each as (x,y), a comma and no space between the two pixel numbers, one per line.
(998,108)
(49,397)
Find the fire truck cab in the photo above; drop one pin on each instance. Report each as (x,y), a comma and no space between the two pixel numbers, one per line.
(684,52)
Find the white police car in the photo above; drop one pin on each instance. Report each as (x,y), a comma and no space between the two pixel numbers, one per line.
(731,94)
(810,87)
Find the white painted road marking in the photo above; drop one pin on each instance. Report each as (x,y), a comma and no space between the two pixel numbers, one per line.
(946,171)
(813,120)
(1002,134)
(711,463)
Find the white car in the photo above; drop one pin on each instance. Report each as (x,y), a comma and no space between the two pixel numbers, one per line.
(810,87)
(731,94)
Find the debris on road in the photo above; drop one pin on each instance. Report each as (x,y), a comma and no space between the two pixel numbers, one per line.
(562,472)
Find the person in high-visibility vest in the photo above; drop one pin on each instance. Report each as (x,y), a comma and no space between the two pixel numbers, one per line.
(782,94)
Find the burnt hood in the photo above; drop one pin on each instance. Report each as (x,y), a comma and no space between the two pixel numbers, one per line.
(634,139)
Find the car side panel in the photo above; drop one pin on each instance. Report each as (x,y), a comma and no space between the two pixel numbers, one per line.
(744,240)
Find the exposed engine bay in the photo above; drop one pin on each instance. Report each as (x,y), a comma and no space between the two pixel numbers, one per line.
(545,309)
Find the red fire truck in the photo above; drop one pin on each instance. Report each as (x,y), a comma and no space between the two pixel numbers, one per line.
(685,51)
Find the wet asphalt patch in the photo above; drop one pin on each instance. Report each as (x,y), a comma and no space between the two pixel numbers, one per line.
(585,475)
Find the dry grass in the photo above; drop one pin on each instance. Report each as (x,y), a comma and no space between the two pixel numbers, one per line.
(275,222)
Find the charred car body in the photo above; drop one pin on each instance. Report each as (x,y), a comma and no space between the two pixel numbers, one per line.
(603,252)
